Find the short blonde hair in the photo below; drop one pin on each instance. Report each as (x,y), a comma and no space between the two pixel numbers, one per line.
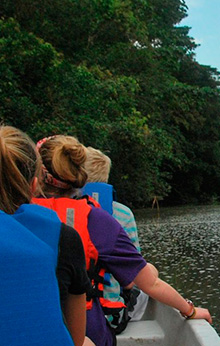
(19,164)
(97,165)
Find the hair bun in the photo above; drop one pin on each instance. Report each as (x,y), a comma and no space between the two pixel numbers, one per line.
(75,152)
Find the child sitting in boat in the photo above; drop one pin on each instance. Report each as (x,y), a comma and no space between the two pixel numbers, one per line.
(98,167)
(108,248)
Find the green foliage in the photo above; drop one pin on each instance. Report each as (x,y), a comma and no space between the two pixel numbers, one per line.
(25,64)
(122,77)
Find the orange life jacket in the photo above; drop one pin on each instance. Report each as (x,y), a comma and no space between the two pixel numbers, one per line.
(74,213)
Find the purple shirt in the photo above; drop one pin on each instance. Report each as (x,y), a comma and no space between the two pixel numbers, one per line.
(120,257)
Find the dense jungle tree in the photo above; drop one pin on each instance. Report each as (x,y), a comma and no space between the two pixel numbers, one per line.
(121,76)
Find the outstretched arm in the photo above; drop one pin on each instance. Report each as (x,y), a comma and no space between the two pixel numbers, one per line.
(163,292)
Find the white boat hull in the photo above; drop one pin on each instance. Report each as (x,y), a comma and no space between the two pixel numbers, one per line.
(164,326)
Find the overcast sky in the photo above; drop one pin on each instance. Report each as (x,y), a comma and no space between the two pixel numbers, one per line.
(204,19)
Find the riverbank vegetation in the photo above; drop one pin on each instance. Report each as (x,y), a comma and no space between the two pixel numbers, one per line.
(122,76)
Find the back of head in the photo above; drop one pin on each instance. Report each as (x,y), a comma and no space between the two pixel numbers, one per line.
(19,163)
(63,158)
(97,166)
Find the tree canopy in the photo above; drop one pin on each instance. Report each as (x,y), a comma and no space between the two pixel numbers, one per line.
(121,76)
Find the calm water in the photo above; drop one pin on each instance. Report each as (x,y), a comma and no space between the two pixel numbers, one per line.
(184,244)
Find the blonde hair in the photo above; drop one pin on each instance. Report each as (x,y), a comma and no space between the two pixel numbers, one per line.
(97,166)
(19,164)
(63,157)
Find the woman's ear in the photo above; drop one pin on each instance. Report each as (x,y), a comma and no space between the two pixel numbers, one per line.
(34,185)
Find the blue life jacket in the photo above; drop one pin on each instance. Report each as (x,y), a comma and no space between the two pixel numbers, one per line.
(30,313)
(102,193)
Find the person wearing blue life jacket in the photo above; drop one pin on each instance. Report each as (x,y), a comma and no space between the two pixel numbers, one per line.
(98,167)
(33,242)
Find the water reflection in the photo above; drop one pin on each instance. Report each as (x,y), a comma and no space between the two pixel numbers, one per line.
(184,244)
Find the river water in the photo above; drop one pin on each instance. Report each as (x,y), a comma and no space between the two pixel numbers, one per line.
(184,244)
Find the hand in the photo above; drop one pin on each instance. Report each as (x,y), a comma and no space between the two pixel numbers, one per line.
(203,314)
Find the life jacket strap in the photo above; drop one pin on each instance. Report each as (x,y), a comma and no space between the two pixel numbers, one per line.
(120,321)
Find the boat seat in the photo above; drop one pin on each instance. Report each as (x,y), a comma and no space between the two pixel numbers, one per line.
(141,333)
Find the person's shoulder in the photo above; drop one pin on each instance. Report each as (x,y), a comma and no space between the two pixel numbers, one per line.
(100,220)
(101,215)
(37,209)
(34,215)
(121,208)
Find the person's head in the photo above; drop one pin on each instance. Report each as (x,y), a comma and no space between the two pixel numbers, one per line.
(62,170)
(19,165)
(97,166)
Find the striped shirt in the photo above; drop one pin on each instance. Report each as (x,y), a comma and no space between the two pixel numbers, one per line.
(125,217)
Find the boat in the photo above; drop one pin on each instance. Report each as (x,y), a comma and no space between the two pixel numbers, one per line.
(162,325)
